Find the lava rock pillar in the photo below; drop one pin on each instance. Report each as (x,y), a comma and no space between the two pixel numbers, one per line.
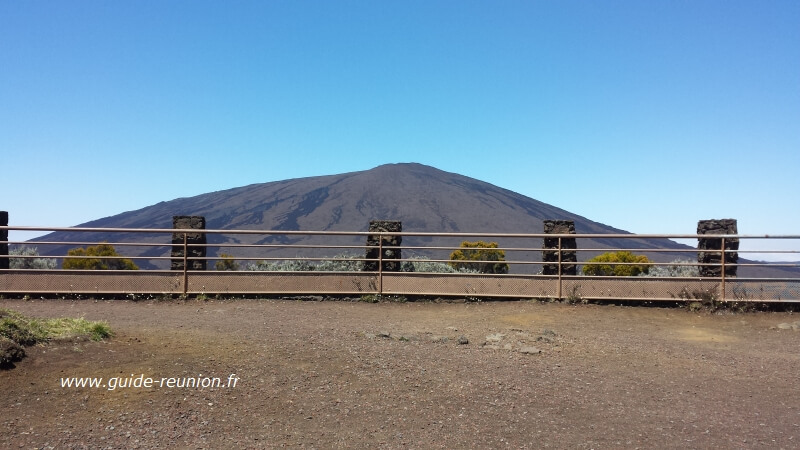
(550,248)
(195,243)
(709,256)
(391,256)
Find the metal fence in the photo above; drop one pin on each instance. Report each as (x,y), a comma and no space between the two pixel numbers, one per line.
(275,262)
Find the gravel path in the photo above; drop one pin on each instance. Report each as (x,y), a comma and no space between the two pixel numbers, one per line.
(420,375)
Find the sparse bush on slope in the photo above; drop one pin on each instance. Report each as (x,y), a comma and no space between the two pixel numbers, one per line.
(227,263)
(289,265)
(346,262)
(678,268)
(479,256)
(97,257)
(423,265)
(343,262)
(602,265)
(29,263)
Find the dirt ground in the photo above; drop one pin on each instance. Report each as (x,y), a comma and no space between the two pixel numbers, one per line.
(418,375)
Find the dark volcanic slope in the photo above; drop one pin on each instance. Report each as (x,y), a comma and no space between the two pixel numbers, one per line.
(422,197)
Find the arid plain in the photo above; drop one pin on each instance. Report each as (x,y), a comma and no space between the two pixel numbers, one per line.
(417,374)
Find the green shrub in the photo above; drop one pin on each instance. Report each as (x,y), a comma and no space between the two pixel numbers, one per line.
(602,265)
(97,258)
(29,263)
(480,257)
(227,263)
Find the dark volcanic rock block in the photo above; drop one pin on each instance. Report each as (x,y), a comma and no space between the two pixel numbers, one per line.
(391,256)
(195,242)
(709,255)
(550,252)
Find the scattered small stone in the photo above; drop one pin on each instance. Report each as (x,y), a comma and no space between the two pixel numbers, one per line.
(530,350)
(495,337)
(547,336)
(384,334)
(462,340)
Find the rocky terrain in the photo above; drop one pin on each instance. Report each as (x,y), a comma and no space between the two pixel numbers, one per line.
(420,375)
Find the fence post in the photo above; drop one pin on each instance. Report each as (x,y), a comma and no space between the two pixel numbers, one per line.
(722,272)
(559,270)
(4,260)
(380,265)
(185,263)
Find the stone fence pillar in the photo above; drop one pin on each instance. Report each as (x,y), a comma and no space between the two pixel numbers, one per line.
(4,241)
(709,260)
(550,246)
(195,243)
(390,256)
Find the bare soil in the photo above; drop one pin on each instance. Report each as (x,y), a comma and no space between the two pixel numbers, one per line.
(421,375)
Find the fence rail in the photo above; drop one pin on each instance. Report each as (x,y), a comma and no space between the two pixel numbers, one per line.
(263,257)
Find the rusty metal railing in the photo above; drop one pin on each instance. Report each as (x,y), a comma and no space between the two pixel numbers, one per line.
(310,250)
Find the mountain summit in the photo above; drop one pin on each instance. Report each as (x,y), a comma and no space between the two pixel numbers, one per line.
(424,198)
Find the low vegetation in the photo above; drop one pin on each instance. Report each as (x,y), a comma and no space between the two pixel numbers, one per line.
(344,262)
(29,331)
(97,257)
(479,256)
(30,260)
(347,262)
(18,331)
(425,265)
(617,264)
(683,268)
(226,263)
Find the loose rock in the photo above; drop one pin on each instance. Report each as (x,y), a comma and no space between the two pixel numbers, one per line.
(495,337)
(10,351)
(530,350)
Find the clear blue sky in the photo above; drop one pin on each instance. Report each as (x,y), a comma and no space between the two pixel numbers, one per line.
(644,110)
